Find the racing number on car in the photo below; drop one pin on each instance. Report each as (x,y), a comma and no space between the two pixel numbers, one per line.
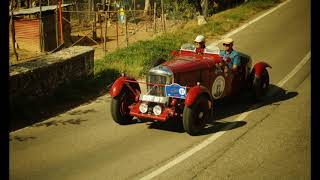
(218,87)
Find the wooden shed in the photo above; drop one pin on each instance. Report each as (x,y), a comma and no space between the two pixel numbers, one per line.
(27,27)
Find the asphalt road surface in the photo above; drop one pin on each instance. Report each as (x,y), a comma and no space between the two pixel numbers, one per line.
(272,142)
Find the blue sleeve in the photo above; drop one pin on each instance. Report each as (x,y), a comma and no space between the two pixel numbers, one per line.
(236,60)
(222,53)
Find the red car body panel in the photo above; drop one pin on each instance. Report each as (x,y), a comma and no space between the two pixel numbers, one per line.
(259,67)
(194,92)
(119,84)
(166,113)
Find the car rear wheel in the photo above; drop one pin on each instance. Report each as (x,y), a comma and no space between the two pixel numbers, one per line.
(196,116)
(260,85)
(119,108)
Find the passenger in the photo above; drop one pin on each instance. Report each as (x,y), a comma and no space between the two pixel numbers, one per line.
(200,44)
(230,56)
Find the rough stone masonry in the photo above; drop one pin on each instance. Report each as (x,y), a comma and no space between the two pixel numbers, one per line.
(43,75)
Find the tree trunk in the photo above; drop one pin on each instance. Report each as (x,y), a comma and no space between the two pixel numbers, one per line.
(147,7)
(197,4)
(205,8)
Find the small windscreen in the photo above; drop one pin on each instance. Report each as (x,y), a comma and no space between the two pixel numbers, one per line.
(188,47)
(212,49)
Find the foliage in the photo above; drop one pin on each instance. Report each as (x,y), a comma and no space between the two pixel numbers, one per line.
(179,9)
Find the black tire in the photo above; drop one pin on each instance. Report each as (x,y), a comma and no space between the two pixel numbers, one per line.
(157,62)
(260,85)
(196,116)
(119,108)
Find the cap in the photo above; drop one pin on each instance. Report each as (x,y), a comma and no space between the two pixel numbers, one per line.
(200,38)
(227,41)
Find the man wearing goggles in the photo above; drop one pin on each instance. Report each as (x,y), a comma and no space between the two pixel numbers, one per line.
(230,57)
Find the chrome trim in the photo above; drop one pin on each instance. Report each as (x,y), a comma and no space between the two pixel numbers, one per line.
(159,75)
(161,70)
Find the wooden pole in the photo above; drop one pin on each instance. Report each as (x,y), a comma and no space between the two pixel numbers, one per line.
(109,3)
(40,26)
(163,18)
(89,12)
(134,11)
(60,20)
(57,26)
(13,36)
(105,33)
(94,25)
(100,22)
(126,29)
(78,14)
(154,17)
(117,29)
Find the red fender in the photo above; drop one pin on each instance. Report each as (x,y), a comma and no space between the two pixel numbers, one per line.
(259,67)
(194,92)
(118,85)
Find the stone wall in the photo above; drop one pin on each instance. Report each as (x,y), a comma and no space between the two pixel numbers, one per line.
(43,75)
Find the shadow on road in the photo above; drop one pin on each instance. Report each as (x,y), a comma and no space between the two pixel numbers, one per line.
(239,104)
(215,127)
(228,107)
(77,121)
(21,138)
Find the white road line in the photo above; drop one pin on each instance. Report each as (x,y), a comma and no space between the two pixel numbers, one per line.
(250,22)
(215,136)
(295,70)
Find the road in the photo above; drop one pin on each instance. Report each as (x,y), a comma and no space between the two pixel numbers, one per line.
(272,142)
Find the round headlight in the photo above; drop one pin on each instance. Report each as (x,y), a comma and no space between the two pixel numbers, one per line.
(143,107)
(157,110)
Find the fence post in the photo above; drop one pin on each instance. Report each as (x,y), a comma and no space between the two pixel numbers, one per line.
(126,29)
(40,26)
(117,29)
(134,12)
(100,22)
(60,19)
(13,36)
(154,17)
(163,18)
(57,26)
(94,27)
(78,14)
(105,33)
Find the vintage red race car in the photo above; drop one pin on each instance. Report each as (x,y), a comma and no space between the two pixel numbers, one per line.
(185,87)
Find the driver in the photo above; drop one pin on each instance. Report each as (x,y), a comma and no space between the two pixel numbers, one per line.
(229,55)
(200,44)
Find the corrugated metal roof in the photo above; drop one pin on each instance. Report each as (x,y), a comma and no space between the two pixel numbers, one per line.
(37,10)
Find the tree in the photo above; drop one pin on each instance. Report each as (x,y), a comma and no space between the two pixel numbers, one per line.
(147,7)
(201,6)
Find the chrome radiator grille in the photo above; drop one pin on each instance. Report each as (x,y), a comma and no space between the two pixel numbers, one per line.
(156,79)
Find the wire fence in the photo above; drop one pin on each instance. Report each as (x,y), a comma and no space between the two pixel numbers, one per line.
(106,31)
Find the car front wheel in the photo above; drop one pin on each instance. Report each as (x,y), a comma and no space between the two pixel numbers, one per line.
(196,116)
(119,108)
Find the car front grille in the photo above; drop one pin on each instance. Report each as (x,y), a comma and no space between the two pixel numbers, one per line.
(156,90)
